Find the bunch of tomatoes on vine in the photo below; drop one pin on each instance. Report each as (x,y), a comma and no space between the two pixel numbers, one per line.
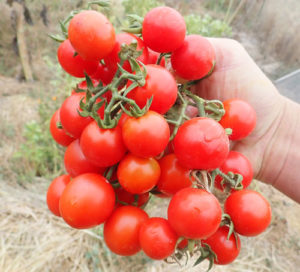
(134,129)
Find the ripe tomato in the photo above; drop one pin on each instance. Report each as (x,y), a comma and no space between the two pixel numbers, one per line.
(173,176)
(138,175)
(157,238)
(104,73)
(236,163)
(146,136)
(91,34)
(74,65)
(121,230)
(194,59)
(194,213)
(87,201)
(240,117)
(161,85)
(59,135)
(135,200)
(163,29)
(201,143)
(225,249)
(103,147)
(153,57)
(55,191)
(250,212)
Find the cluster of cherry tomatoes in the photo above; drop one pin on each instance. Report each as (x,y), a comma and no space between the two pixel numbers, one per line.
(129,136)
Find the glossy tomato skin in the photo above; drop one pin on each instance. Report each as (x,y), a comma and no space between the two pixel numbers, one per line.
(161,85)
(173,176)
(138,175)
(163,29)
(55,191)
(102,147)
(240,117)
(236,163)
(196,50)
(121,230)
(201,143)
(123,196)
(226,250)
(194,213)
(157,238)
(87,201)
(91,35)
(59,135)
(146,136)
(250,212)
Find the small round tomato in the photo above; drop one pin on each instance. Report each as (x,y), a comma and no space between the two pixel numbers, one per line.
(87,201)
(102,147)
(225,249)
(74,65)
(249,211)
(157,238)
(153,57)
(236,163)
(173,176)
(59,135)
(194,59)
(240,117)
(55,191)
(91,34)
(194,213)
(146,136)
(104,73)
(161,85)
(121,230)
(138,175)
(163,29)
(201,143)
(123,197)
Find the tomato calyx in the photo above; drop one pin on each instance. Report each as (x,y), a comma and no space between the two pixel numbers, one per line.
(226,221)
(230,180)
(206,253)
(135,24)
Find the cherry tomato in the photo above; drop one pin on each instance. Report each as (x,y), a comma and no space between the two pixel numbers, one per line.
(74,65)
(163,29)
(157,238)
(104,73)
(153,57)
(225,249)
(87,201)
(125,197)
(240,117)
(55,191)
(121,230)
(91,34)
(250,212)
(194,59)
(59,135)
(173,176)
(138,175)
(146,136)
(103,147)
(194,213)
(201,143)
(160,85)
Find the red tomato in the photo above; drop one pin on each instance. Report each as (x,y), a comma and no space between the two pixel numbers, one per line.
(250,212)
(104,73)
(236,163)
(121,230)
(157,238)
(194,213)
(75,66)
(87,201)
(163,29)
(183,244)
(146,136)
(58,134)
(173,176)
(153,57)
(103,147)
(201,143)
(161,85)
(138,175)
(225,249)
(91,34)
(194,59)
(135,200)
(55,191)
(240,117)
